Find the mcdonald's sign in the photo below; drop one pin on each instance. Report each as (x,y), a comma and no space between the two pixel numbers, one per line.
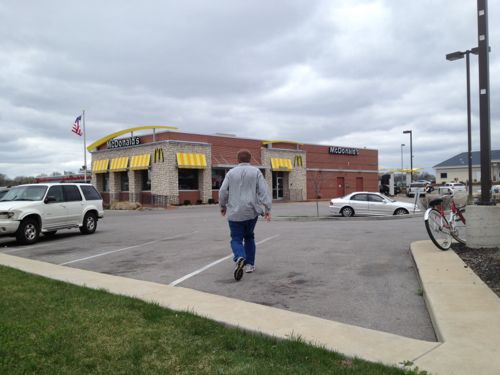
(159,155)
(297,161)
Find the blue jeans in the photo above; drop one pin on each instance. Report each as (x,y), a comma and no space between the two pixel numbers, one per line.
(243,240)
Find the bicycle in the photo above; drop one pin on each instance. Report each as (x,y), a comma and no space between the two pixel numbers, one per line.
(440,229)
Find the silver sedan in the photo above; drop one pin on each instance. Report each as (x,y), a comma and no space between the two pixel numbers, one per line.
(368,203)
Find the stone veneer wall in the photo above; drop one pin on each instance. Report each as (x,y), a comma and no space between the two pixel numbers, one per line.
(296,189)
(167,178)
(135,185)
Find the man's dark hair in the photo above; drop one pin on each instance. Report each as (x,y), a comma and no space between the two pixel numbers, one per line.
(244,156)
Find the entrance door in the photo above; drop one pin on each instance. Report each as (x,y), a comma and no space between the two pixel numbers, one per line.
(340,187)
(278,185)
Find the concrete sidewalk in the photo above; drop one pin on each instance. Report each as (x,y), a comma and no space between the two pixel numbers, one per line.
(465,313)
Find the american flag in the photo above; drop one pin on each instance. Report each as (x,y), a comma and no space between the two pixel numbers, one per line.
(76,126)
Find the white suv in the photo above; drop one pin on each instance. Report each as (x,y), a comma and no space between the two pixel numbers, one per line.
(28,210)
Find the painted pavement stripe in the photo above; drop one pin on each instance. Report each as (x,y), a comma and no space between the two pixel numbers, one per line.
(127,248)
(184,278)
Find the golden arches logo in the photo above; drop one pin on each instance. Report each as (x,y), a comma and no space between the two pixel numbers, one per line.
(159,155)
(297,161)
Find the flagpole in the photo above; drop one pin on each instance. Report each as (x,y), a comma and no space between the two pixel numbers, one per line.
(84,145)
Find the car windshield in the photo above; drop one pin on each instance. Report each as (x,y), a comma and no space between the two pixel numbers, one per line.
(25,193)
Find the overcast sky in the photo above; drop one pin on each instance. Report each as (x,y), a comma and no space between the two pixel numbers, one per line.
(350,73)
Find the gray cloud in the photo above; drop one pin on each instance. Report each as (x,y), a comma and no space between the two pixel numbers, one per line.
(353,73)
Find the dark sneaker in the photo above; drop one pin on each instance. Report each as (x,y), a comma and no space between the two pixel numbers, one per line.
(238,271)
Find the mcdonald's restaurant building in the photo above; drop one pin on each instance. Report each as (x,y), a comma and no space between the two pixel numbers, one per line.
(170,167)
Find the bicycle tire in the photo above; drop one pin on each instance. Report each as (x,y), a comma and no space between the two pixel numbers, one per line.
(438,229)
(458,228)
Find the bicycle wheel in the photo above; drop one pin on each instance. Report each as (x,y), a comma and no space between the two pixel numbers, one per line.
(458,228)
(438,229)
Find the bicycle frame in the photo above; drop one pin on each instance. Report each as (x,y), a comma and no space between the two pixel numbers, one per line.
(454,211)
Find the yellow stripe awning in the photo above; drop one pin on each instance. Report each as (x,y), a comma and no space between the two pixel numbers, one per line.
(100,166)
(119,164)
(140,161)
(193,161)
(278,164)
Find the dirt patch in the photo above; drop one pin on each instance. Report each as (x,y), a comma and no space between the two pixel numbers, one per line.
(484,262)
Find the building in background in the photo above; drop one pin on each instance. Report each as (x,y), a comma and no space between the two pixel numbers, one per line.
(456,168)
(171,167)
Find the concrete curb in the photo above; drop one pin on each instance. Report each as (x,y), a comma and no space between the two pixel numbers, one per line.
(465,312)
(355,218)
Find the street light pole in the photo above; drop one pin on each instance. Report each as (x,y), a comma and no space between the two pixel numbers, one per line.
(411,152)
(469,127)
(457,56)
(402,145)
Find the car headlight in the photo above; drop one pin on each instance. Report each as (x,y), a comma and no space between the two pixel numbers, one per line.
(6,215)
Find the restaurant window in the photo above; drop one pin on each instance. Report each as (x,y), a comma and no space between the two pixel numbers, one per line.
(146,180)
(217,177)
(123,181)
(105,182)
(188,179)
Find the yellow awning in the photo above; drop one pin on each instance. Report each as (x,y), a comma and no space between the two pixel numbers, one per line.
(140,161)
(119,164)
(100,166)
(193,161)
(278,164)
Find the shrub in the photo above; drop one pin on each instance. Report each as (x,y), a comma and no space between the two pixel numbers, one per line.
(187,202)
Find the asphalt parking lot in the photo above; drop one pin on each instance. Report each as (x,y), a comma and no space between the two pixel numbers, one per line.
(352,270)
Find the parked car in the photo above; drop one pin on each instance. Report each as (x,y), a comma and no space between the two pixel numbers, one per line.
(424,181)
(416,188)
(3,191)
(456,186)
(28,210)
(495,189)
(368,203)
(385,189)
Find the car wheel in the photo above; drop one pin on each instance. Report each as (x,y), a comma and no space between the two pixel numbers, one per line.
(89,223)
(28,231)
(401,211)
(347,211)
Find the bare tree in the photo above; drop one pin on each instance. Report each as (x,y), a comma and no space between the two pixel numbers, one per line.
(317,179)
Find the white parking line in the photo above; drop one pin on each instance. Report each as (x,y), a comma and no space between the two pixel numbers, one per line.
(50,243)
(184,278)
(127,248)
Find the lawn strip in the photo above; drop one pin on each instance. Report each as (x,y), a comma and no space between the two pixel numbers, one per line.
(51,327)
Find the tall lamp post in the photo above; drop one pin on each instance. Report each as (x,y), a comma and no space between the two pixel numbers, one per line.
(457,56)
(411,152)
(402,145)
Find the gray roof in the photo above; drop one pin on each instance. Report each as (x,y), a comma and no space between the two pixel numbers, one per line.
(461,159)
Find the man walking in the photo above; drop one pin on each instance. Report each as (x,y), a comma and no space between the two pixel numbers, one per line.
(242,194)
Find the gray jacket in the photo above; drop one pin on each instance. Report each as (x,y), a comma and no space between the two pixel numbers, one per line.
(243,193)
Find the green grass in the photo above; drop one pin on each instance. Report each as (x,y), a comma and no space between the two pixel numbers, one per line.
(50,327)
